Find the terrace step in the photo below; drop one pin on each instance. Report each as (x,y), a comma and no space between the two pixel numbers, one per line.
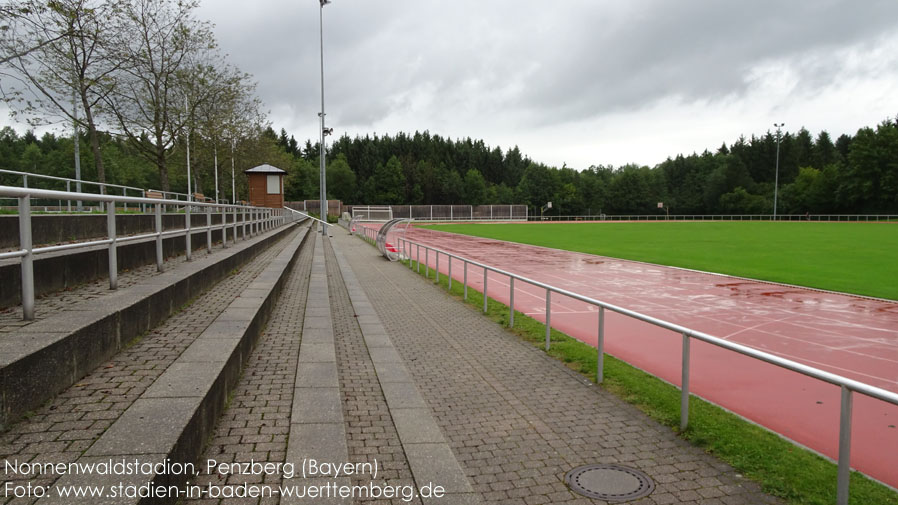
(41,358)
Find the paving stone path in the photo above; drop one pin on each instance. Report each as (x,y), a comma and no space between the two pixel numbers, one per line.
(68,425)
(518,420)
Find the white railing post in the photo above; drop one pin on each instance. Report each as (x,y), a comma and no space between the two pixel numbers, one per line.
(485,271)
(187,247)
(113,257)
(437,269)
(224,228)
(209,230)
(510,301)
(28,259)
(426,262)
(450,273)
(844,473)
(465,282)
(548,318)
(600,348)
(684,386)
(158,219)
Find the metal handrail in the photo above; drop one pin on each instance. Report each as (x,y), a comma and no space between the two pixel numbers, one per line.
(68,181)
(294,212)
(848,386)
(254,220)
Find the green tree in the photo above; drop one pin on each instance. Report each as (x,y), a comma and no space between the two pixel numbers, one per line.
(341,180)
(539,185)
(388,184)
(475,188)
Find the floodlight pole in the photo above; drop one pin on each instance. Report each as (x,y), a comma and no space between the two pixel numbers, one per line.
(322,176)
(187,122)
(776,182)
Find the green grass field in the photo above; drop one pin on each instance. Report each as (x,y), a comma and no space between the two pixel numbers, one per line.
(860,258)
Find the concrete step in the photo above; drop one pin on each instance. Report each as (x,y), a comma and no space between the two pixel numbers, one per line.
(40,359)
(170,420)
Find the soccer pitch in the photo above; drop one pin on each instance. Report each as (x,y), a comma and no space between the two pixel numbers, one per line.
(859,258)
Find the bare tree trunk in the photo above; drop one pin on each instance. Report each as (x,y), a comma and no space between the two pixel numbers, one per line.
(94,143)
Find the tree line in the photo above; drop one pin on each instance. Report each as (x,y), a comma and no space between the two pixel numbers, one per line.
(143,73)
(853,174)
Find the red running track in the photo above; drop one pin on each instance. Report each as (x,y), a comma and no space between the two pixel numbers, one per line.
(851,336)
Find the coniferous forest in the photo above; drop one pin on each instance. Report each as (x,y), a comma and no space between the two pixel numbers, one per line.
(851,174)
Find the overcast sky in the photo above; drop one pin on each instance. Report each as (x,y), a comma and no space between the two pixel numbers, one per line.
(581,82)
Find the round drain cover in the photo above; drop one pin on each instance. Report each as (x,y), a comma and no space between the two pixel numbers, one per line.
(609,482)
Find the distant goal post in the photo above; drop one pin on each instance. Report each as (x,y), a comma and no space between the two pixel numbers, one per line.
(377,213)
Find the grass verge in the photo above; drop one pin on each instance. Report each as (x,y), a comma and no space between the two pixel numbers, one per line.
(780,467)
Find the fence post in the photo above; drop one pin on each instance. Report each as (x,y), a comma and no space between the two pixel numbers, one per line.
(465,268)
(224,228)
(113,258)
(548,318)
(209,230)
(418,257)
(125,203)
(600,348)
(450,273)
(426,262)
(485,271)
(684,386)
(188,252)
(235,223)
(28,259)
(510,299)
(844,472)
(159,259)
(437,269)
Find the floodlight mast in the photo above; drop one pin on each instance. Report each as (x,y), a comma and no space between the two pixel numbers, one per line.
(776,181)
(324,131)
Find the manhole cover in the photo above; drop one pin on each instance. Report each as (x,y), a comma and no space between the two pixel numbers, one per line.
(609,482)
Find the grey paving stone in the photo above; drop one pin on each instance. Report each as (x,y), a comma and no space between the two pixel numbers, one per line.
(321,441)
(435,463)
(183,379)
(387,372)
(385,355)
(402,395)
(316,405)
(149,426)
(204,350)
(317,375)
(317,353)
(416,426)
